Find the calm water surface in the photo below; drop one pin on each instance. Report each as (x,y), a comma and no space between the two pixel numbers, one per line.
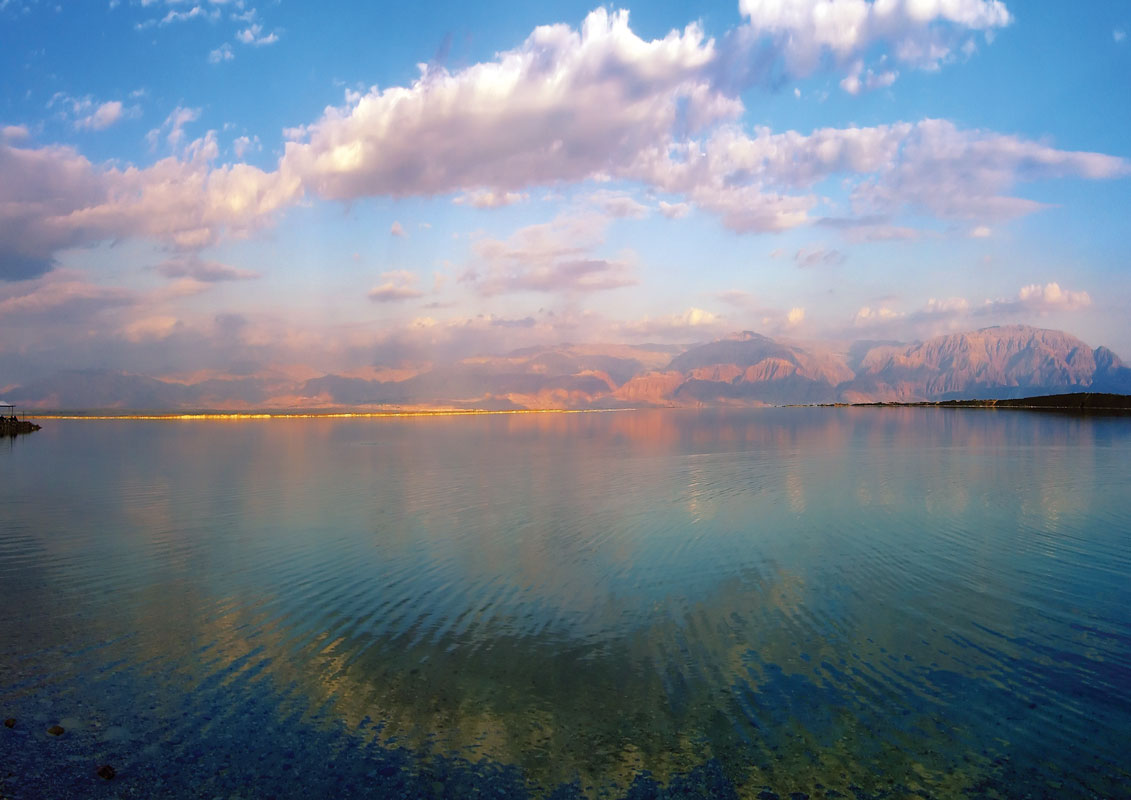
(836,602)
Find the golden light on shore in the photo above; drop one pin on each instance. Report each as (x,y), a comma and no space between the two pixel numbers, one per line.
(459,412)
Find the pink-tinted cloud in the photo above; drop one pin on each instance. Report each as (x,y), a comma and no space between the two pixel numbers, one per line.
(198,269)
(53,198)
(398,285)
(557,256)
(802,35)
(565,105)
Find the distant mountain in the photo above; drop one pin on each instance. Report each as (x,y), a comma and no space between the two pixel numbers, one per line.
(999,362)
(744,369)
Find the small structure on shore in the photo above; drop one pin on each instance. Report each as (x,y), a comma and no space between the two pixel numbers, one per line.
(10,424)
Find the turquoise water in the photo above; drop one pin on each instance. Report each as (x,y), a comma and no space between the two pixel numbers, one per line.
(835,602)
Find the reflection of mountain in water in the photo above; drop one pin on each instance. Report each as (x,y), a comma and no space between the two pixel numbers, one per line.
(745,369)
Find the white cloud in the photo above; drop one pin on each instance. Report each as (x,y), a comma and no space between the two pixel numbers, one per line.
(196,12)
(396,229)
(398,285)
(868,315)
(674,210)
(87,113)
(174,124)
(245,144)
(53,198)
(103,117)
(859,79)
(795,316)
(556,256)
(949,305)
(566,105)
(221,54)
(981,232)
(485,198)
(694,323)
(618,204)
(806,33)
(14,133)
(965,174)
(1119,35)
(1051,297)
(253,35)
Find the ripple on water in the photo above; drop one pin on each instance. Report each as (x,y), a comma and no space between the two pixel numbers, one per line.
(900,602)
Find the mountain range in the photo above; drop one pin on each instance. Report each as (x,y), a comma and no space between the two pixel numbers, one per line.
(744,369)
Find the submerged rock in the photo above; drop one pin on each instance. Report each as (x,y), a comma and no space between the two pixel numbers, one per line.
(106,772)
(10,722)
(55,730)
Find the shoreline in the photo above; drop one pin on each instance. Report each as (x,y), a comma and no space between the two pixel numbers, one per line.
(241,415)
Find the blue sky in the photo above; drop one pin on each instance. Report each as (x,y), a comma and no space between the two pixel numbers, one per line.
(192,188)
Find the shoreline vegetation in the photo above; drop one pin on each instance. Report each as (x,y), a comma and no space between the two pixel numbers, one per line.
(1081,402)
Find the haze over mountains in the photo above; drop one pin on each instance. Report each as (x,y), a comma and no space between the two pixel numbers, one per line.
(744,369)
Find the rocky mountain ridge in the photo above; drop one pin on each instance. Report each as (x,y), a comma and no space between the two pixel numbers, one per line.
(744,369)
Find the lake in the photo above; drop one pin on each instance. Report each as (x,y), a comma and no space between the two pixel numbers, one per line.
(831,602)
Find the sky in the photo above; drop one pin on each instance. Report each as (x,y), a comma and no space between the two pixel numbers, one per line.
(214,188)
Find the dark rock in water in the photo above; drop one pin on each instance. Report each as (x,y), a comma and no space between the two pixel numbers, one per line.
(10,426)
(55,730)
(10,722)
(106,772)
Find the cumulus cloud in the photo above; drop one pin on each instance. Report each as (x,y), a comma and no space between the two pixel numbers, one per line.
(245,144)
(795,316)
(253,34)
(396,229)
(954,313)
(485,198)
(868,315)
(858,79)
(800,36)
(398,285)
(564,106)
(173,127)
(87,113)
(761,181)
(196,12)
(1051,297)
(14,133)
(674,210)
(557,256)
(102,117)
(221,54)
(1119,35)
(967,174)
(694,323)
(53,198)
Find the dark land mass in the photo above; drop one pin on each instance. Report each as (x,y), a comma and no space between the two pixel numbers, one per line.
(11,426)
(1081,402)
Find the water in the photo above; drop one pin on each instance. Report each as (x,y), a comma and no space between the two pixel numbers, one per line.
(838,602)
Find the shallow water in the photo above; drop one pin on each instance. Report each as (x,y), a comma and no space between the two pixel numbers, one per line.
(870,602)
